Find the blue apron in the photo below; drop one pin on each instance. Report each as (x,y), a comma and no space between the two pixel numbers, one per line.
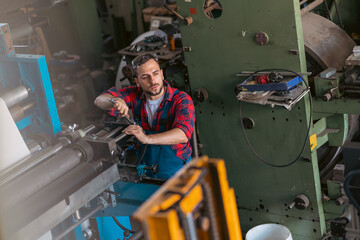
(166,159)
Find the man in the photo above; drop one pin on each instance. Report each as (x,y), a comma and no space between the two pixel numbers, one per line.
(165,116)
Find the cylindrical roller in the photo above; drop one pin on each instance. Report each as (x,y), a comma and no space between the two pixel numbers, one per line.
(15,96)
(31,162)
(51,194)
(48,171)
(18,111)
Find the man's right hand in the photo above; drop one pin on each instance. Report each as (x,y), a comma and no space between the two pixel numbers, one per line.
(121,106)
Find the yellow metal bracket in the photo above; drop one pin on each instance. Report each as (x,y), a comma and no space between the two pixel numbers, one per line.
(196,202)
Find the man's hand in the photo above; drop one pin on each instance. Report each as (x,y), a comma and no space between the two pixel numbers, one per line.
(138,132)
(107,102)
(121,106)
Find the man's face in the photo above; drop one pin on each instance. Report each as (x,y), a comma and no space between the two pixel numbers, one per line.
(150,78)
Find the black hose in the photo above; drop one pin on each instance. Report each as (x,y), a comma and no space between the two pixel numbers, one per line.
(142,155)
(307,133)
(122,226)
(136,236)
(347,181)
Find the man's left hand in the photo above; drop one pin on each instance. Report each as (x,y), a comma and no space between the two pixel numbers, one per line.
(138,132)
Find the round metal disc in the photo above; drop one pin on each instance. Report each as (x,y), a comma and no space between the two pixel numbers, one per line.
(326,42)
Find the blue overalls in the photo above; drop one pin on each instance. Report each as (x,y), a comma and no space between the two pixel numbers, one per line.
(162,155)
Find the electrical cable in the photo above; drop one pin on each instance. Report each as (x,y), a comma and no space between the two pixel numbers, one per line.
(307,133)
(347,186)
(122,226)
(136,236)
(141,155)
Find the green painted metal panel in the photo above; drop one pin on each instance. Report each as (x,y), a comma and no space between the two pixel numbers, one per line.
(222,47)
(88,32)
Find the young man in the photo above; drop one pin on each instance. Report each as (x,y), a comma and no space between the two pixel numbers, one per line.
(165,116)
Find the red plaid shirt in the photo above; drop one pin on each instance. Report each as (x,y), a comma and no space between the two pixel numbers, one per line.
(175,111)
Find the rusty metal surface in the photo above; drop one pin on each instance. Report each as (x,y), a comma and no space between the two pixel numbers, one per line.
(326,42)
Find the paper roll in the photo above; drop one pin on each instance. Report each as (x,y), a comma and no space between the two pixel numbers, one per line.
(12,145)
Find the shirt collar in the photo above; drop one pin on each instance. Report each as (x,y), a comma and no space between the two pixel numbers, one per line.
(169,92)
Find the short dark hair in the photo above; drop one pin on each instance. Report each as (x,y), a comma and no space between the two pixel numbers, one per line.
(141,59)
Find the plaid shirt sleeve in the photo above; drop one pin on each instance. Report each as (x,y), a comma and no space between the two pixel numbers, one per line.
(127,94)
(184,114)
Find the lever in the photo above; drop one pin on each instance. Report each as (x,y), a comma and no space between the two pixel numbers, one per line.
(186,20)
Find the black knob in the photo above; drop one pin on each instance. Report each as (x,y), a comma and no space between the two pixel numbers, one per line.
(301,202)
(200,95)
(248,123)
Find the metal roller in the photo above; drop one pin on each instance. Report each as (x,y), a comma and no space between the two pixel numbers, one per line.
(58,190)
(31,182)
(18,111)
(30,162)
(15,96)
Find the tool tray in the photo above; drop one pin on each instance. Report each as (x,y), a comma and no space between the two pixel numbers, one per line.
(284,85)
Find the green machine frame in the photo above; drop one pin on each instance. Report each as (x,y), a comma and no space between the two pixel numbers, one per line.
(216,49)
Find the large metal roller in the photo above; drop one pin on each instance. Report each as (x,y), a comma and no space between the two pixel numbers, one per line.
(32,161)
(325,42)
(51,194)
(32,181)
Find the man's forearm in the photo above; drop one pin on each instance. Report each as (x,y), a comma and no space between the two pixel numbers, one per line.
(103,102)
(170,137)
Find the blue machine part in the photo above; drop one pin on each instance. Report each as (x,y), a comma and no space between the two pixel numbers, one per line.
(31,72)
(109,230)
(132,196)
(6,43)
(141,170)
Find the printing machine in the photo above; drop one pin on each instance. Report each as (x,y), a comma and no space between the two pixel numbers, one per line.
(66,167)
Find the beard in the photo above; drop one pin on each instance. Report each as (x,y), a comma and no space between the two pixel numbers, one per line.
(155,92)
